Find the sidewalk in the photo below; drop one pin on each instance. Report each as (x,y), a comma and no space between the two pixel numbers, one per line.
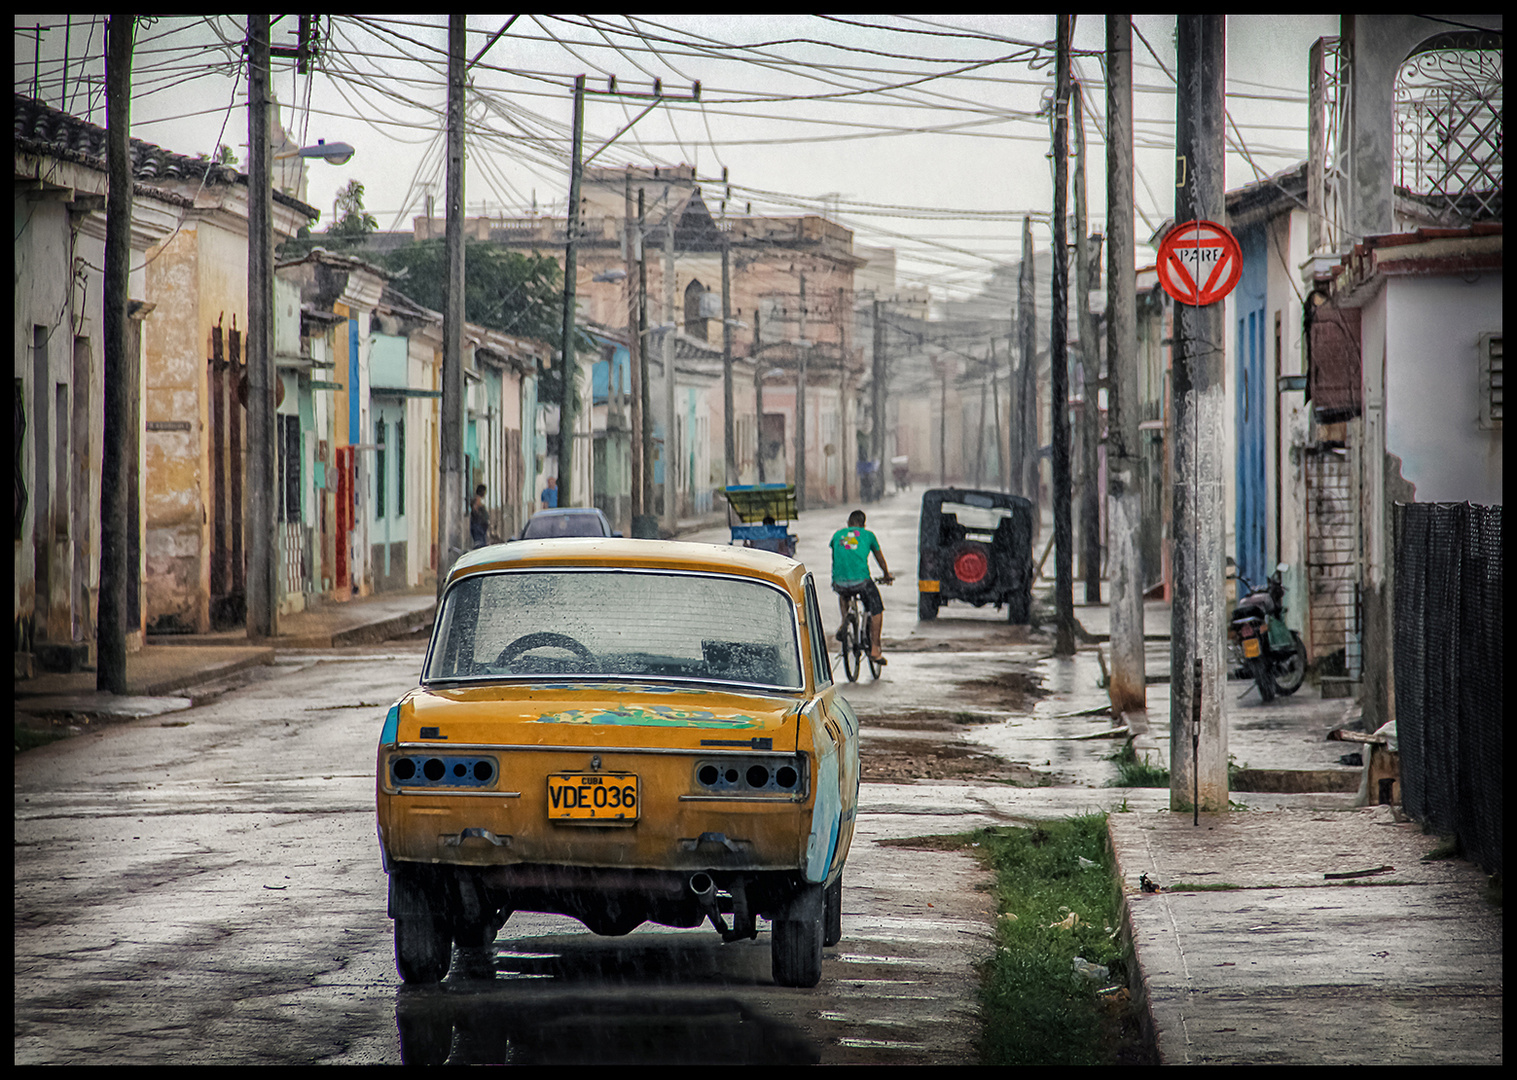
(171,663)
(1250,953)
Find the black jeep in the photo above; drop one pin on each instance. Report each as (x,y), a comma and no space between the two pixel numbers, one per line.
(975,547)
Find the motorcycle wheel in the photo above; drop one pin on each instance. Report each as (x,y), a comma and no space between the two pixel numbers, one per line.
(1264,678)
(1290,671)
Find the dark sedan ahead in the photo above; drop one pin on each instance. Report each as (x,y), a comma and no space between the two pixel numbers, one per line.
(567,521)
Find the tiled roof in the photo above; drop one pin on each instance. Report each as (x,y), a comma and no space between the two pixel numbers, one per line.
(41,129)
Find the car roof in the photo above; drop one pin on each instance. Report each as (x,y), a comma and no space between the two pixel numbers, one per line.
(567,511)
(611,552)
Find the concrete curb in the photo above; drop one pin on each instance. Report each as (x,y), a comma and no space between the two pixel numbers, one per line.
(1137,981)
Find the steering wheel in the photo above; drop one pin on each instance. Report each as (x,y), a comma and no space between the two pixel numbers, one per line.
(542,639)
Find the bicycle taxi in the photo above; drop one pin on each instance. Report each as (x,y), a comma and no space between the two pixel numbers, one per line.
(760,515)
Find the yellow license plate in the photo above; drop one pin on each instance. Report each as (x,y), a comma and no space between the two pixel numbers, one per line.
(1251,647)
(592,797)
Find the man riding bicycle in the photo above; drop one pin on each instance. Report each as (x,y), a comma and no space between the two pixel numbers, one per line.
(851,548)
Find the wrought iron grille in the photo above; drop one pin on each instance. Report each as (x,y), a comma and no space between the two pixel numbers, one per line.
(1448,128)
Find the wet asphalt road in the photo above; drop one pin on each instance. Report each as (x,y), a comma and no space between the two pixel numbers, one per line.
(205,887)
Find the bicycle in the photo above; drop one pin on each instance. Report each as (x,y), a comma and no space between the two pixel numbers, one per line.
(856,643)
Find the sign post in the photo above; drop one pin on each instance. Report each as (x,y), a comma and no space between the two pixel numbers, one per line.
(1199,263)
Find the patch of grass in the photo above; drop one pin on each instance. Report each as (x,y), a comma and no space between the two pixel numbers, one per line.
(1132,772)
(29,738)
(1038,1010)
(1447,848)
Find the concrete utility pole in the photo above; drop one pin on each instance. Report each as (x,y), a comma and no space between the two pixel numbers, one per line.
(644,526)
(1024,453)
(1124,459)
(1090,360)
(263,547)
(800,408)
(729,440)
(570,369)
(450,490)
(634,241)
(877,390)
(1197,408)
(1064,602)
(115,486)
(671,444)
(758,390)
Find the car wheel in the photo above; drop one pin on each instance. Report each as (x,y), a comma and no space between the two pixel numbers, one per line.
(796,947)
(832,911)
(423,948)
(927,606)
(1019,607)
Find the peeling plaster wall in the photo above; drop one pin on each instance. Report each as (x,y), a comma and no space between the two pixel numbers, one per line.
(1431,386)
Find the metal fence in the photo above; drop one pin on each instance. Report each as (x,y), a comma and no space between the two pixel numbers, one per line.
(1449,667)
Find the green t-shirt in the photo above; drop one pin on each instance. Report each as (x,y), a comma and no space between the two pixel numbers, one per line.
(850,555)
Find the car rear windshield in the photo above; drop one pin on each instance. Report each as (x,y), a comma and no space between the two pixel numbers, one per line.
(622,624)
(549,525)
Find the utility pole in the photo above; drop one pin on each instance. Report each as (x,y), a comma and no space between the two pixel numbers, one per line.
(1090,359)
(671,447)
(729,442)
(942,422)
(878,393)
(634,242)
(1124,460)
(758,390)
(570,369)
(1064,604)
(995,405)
(263,548)
(1026,472)
(450,491)
(800,408)
(645,526)
(1197,408)
(115,486)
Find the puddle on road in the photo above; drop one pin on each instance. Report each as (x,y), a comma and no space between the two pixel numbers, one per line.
(903,760)
(579,999)
(1010,691)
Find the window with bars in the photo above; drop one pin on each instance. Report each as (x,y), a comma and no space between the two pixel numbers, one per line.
(381,481)
(289,467)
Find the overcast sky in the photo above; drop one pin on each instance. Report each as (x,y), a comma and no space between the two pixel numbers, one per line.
(919,133)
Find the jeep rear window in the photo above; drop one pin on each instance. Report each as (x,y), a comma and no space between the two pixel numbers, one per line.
(620,624)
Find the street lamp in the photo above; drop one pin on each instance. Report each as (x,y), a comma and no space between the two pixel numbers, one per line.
(610,275)
(337,153)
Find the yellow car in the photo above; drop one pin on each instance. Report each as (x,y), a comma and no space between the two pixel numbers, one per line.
(621,731)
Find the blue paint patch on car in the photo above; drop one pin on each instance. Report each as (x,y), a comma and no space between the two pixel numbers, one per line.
(390,733)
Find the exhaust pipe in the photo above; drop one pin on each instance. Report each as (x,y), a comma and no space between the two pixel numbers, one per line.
(701,884)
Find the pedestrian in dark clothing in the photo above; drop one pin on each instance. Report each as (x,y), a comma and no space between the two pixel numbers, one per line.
(479,519)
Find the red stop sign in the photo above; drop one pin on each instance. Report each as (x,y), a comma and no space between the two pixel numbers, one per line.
(1199,262)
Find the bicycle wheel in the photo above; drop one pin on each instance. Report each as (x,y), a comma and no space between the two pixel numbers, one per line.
(851,647)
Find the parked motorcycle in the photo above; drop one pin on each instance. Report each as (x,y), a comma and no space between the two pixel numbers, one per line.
(1259,643)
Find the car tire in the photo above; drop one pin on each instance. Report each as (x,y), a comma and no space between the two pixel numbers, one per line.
(927,606)
(832,913)
(796,951)
(1019,607)
(423,948)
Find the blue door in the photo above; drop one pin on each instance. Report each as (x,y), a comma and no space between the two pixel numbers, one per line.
(1252,410)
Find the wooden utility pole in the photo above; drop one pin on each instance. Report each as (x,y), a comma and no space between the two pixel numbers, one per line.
(115,486)
(1197,409)
(569,371)
(1090,360)
(1124,458)
(262,457)
(1064,604)
(450,491)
